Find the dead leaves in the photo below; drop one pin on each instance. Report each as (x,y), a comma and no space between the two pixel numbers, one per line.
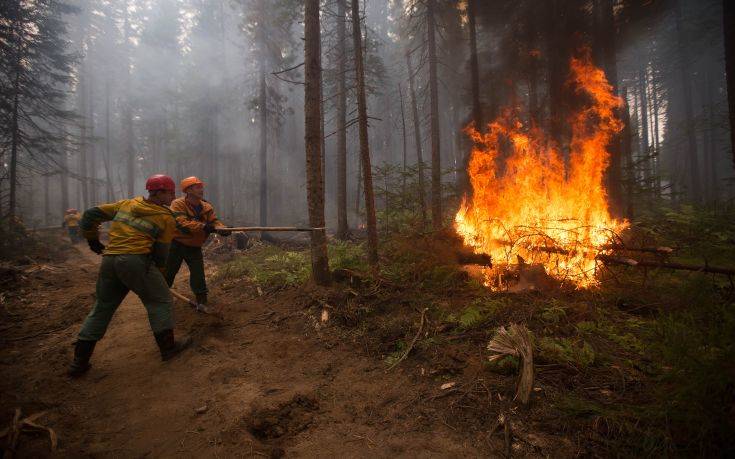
(28,424)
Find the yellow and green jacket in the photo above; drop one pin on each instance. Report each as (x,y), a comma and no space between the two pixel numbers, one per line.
(190,222)
(138,227)
(72,220)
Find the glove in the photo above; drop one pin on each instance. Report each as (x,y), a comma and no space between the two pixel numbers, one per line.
(208,228)
(223,232)
(96,246)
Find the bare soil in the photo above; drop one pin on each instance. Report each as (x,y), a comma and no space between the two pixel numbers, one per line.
(269,380)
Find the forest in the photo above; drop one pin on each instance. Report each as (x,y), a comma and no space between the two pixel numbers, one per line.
(413,228)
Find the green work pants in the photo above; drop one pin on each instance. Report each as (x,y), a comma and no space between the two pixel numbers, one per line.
(118,275)
(194,260)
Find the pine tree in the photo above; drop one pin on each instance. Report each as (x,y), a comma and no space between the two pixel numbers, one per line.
(35,73)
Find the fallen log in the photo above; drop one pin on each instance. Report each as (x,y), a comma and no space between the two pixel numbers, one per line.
(659,264)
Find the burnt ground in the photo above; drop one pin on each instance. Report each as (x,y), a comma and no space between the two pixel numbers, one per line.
(271,379)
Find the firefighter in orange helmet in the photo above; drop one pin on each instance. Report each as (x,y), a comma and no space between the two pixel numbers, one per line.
(195,221)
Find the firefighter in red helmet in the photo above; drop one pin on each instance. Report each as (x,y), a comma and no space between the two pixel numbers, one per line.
(134,259)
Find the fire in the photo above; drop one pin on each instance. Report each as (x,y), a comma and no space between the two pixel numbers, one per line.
(539,206)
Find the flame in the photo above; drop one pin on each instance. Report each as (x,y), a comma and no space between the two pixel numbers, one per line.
(540,207)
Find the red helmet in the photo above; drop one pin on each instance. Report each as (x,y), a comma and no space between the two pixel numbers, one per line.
(71,210)
(160,182)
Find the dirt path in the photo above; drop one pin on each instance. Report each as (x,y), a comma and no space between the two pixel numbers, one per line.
(264,382)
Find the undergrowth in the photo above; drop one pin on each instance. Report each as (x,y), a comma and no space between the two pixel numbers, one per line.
(658,345)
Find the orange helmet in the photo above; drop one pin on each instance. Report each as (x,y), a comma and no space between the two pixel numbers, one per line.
(190,181)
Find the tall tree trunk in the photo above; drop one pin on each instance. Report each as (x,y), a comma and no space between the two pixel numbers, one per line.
(92,151)
(108,172)
(645,153)
(64,177)
(474,67)
(15,125)
(609,56)
(313,141)
(83,135)
(710,166)
(728,25)
(263,109)
(403,132)
(343,229)
(691,137)
(533,69)
(477,117)
(556,68)
(436,166)
(627,154)
(127,110)
(367,175)
(417,138)
(656,137)
(323,140)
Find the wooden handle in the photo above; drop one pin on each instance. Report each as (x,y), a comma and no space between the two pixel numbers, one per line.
(267,228)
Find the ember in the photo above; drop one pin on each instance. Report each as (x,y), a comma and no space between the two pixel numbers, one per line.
(537,206)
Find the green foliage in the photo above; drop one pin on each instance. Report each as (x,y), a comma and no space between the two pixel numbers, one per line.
(696,348)
(442,277)
(477,314)
(624,339)
(554,314)
(347,255)
(269,267)
(566,351)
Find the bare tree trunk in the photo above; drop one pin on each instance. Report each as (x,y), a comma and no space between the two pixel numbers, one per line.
(728,20)
(474,67)
(83,136)
(436,171)
(403,131)
(417,139)
(692,153)
(92,152)
(367,175)
(656,137)
(263,108)
(645,153)
(627,153)
(533,71)
(64,177)
(127,111)
(556,63)
(609,56)
(313,136)
(108,172)
(343,229)
(15,126)
(710,155)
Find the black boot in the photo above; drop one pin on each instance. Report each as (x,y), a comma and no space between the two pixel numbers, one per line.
(202,299)
(82,352)
(168,346)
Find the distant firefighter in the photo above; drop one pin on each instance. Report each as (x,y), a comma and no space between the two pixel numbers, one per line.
(71,222)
